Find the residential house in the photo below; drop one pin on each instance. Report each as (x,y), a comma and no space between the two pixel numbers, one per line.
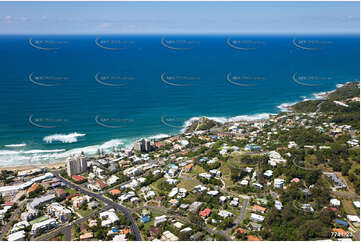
(205,213)
(258,209)
(108,217)
(225,214)
(256,217)
(160,219)
(194,207)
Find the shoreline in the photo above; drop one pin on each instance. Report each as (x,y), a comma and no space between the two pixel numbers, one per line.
(284,107)
(287,107)
(56,165)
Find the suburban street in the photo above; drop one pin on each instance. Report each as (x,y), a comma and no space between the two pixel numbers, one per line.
(12,218)
(66,228)
(243,211)
(127,212)
(166,212)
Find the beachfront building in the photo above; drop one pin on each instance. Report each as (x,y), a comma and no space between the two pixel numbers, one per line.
(76,165)
(142,145)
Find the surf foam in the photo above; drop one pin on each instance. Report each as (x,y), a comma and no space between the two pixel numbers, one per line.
(64,138)
(15,145)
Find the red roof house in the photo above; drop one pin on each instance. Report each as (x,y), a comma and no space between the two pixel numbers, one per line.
(205,213)
(78,178)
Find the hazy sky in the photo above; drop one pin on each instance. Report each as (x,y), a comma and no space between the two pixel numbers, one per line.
(179,17)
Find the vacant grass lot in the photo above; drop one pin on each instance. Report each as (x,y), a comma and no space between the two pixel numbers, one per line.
(348,206)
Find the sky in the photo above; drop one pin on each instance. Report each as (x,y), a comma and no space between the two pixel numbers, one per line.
(179,17)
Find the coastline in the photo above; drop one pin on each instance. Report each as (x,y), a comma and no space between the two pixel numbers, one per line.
(284,107)
(287,107)
(29,167)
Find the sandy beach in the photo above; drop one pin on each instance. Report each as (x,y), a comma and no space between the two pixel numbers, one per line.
(28,167)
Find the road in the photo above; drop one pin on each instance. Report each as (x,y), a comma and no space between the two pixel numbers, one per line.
(14,215)
(346,194)
(67,234)
(115,187)
(243,211)
(234,194)
(241,216)
(319,107)
(127,212)
(66,228)
(185,220)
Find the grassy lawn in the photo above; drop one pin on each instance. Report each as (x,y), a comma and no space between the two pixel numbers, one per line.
(74,234)
(151,222)
(196,170)
(352,170)
(129,204)
(226,174)
(348,206)
(191,197)
(235,210)
(188,184)
(355,166)
(235,160)
(155,184)
(211,226)
(85,212)
(70,191)
(38,220)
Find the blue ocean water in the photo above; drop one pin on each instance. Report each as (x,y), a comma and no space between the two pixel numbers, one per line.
(60,95)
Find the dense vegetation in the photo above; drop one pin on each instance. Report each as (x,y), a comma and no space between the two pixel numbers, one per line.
(292,223)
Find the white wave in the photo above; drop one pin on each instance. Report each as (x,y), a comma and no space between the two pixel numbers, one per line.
(16,145)
(159,136)
(315,96)
(323,95)
(42,151)
(223,120)
(89,150)
(285,107)
(253,117)
(13,152)
(9,152)
(64,138)
(339,85)
(14,158)
(111,143)
(190,121)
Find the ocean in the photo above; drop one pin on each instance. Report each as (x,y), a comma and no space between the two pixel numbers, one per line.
(61,95)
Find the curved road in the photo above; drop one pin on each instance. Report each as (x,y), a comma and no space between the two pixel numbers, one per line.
(181,218)
(127,212)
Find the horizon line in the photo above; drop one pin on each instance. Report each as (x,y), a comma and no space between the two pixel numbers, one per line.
(194,34)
